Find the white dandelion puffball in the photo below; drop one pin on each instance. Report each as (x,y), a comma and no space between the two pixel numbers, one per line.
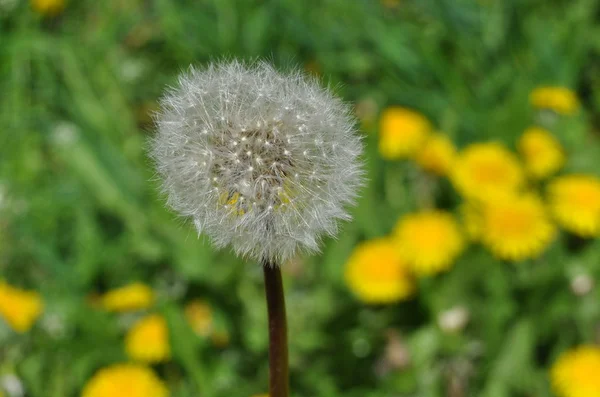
(260,160)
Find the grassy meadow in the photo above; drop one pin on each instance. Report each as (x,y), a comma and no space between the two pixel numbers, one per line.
(469,267)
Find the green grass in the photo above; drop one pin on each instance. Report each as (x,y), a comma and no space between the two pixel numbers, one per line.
(80,212)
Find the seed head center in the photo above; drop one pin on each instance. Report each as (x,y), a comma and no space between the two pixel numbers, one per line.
(252,167)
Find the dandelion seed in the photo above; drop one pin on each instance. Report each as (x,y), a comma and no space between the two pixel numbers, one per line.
(289,116)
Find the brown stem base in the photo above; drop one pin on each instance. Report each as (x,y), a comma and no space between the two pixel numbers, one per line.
(278,346)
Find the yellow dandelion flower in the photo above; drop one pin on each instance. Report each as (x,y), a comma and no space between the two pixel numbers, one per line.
(19,308)
(559,99)
(575,203)
(376,273)
(575,372)
(131,297)
(148,340)
(516,227)
(437,155)
(429,241)
(48,7)
(125,380)
(402,132)
(200,317)
(542,153)
(486,169)
(261,395)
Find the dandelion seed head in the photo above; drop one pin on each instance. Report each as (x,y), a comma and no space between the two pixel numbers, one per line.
(261,161)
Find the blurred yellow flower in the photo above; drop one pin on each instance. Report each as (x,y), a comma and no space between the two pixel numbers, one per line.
(437,155)
(125,380)
(376,273)
(485,169)
(429,241)
(131,297)
(261,395)
(19,308)
(148,340)
(542,153)
(576,372)
(402,132)
(560,99)
(516,227)
(575,203)
(200,317)
(48,7)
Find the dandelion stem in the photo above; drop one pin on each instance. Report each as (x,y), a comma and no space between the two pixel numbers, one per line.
(278,346)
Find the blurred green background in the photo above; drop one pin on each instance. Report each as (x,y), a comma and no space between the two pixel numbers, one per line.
(80,211)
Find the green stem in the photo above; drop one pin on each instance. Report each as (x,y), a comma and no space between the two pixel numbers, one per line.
(278,346)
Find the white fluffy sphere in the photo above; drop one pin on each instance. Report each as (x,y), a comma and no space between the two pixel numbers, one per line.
(262,161)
